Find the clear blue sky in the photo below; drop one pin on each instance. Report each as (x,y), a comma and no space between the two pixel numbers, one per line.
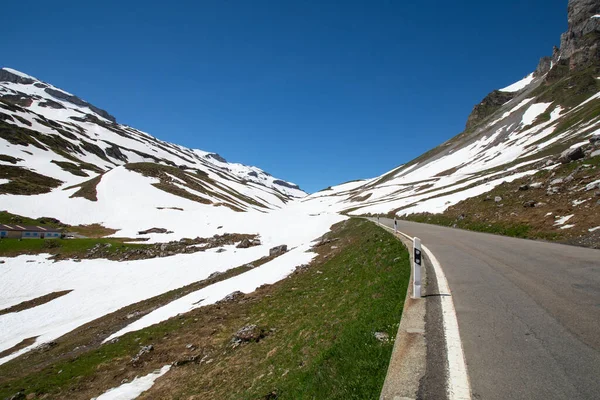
(316,92)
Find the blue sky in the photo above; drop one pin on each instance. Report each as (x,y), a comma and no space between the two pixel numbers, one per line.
(314,92)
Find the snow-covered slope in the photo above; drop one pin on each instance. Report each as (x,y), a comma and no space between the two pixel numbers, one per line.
(64,158)
(514,132)
(64,141)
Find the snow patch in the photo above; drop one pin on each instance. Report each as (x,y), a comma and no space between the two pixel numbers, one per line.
(594,229)
(247,282)
(562,220)
(131,390)
(3,181)
(515,87)
(533,112)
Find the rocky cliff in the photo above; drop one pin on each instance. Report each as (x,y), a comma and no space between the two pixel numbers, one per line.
(579,45)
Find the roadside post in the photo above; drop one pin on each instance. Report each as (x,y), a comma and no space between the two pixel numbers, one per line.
(417,268)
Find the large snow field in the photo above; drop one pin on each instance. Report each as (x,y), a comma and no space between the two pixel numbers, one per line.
(127,201)
(101,286)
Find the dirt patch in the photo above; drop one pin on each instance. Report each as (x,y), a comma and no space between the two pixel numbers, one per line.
(21,345)
(25,305)
(92,231)
(87,189)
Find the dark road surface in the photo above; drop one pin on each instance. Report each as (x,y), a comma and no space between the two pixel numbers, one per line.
(528,312)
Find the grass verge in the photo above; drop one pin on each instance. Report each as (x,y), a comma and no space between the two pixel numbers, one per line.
(318,342)
(64,248)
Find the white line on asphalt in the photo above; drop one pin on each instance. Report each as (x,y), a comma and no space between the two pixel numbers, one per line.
(458,378)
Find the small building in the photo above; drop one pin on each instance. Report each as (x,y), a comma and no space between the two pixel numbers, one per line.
(15,231)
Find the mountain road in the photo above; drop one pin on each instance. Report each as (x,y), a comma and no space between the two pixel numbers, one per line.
(528,312)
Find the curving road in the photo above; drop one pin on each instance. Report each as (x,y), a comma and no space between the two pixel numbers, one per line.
(528,312)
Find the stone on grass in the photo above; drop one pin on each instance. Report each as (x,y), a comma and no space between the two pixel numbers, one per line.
(382,336)
(248,333)
(571,155)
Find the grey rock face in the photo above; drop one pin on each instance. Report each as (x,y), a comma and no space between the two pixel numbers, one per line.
(580,42)
(217,157)
(490,104)
(6,76)
(286,184)
(543,66)
(115,152)
(22,101)
(78,102)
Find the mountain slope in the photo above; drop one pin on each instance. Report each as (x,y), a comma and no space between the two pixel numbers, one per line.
(514,133)
(64,158)
(61,141)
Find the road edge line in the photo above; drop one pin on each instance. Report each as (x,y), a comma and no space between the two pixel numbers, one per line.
(459,387)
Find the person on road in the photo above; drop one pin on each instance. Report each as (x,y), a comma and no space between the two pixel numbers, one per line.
(395,225)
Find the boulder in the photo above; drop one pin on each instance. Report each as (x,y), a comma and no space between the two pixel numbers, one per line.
(244,244)
(524,187)
(571,155)
(232,297)
(535,185)
(595,140)
(143,350)
(248,333)
(278,250)
(382,336)
(152,230)
(529,204)
(214,275)
(497,199)
(45,346)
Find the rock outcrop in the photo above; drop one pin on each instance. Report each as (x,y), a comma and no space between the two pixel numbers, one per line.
(580,43)
(490,104)
(7,76)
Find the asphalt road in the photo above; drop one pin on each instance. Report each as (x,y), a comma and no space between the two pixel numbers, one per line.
(528,312)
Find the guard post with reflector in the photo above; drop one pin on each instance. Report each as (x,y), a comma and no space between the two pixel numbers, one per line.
(417,261)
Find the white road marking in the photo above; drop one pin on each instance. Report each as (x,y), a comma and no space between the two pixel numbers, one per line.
(458,386)
(458,377)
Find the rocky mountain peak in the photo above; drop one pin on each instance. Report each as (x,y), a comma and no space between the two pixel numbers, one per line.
(9,75)
(580,43)
(13,76)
